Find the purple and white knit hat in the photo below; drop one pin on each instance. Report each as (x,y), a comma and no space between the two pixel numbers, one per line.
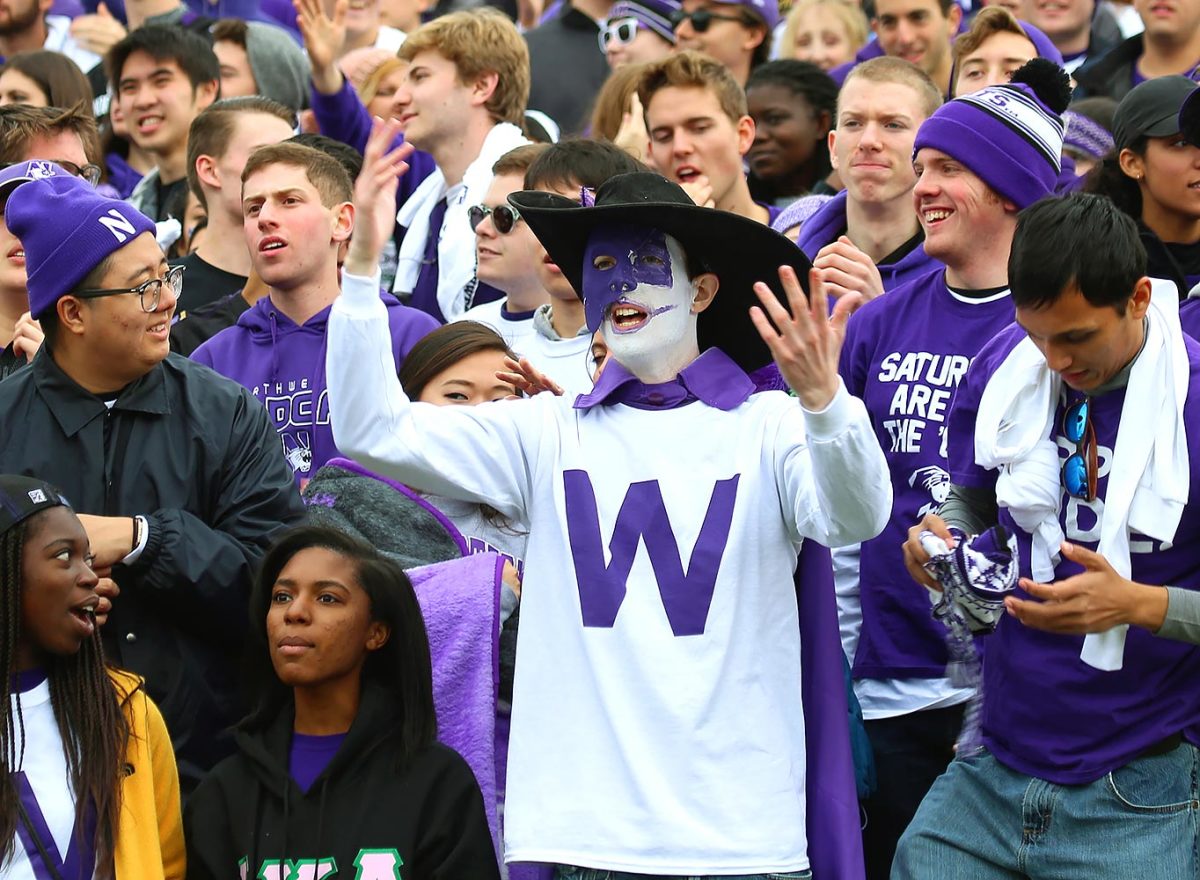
(1005,134)
(67,229)
(1087,137)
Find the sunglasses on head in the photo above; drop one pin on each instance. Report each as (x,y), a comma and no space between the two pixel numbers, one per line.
(620,31)
(504,217)
(1079,471)
(702,18)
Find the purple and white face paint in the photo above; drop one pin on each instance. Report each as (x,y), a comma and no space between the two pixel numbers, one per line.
(636,289)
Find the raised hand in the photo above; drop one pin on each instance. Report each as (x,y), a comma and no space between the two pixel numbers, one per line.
(527,378)
(97,32)
(846,269)
(806,343)
(632,136)
(27,336)
(324,40)
(375,196)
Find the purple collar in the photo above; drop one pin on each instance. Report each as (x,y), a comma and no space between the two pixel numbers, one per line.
(712,378)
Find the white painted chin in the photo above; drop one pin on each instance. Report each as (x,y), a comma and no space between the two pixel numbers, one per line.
(656,348)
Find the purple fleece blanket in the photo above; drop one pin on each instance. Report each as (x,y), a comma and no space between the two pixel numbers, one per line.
(460,601)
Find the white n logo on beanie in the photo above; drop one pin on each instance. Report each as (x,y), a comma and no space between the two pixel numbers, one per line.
(115,223)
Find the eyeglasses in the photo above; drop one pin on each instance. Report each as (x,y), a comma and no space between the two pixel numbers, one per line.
(620,31)
(90,173)
(504,217)
(1079,471)
(149,292)
(702,18)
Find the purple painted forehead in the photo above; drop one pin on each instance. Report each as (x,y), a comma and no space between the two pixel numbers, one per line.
(618,259)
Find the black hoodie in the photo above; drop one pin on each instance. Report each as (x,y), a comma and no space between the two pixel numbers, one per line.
(360,819)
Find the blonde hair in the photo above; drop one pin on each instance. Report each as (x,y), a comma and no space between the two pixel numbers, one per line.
(613,100)
(851,18)
(478,42)
(370,85)
(889,69)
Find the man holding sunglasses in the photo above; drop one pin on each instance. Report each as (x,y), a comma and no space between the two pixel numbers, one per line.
(736,34)
(1088,757)
(177,473)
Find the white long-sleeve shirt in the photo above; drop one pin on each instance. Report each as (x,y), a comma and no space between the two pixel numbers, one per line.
(657,727)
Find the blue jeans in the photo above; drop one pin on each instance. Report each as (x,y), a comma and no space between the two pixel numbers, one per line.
(565,872)
(982,820)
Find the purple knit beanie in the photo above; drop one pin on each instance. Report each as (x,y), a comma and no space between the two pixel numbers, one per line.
(67,229)
(1009,135)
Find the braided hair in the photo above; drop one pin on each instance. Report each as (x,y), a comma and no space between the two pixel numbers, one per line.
(90,718)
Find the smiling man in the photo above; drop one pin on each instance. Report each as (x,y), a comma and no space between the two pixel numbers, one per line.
(736,34)
(700,129)
(1079,30)
(646,686)
(163,76)
(176,472)
(919,31)
(297,220)
(463,102)
(980,159)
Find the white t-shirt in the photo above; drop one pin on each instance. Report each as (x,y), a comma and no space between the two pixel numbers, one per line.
(649,741)
(516,328)
(390,38)
(45,767)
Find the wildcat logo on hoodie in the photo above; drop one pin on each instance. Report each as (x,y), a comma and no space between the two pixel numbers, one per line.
(369,864)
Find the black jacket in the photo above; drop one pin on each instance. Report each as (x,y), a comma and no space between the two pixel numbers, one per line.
(197,456)
(430,815)
(1111,74)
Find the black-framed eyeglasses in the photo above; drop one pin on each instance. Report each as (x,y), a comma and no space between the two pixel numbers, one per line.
(702,18)
(504,217)
(90,173)
(1080,470)
(149,292)
(620,31)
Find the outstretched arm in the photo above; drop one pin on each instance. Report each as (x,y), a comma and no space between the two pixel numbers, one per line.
(831,470)
(478,453)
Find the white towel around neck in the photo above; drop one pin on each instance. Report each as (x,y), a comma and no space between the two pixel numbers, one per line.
(1148,479)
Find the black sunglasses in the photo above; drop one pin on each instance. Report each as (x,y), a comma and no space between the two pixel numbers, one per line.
(702,18)
(504,217)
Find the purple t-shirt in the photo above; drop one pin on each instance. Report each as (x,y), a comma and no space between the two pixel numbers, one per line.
(904,354)
(1046,713)
(310,755)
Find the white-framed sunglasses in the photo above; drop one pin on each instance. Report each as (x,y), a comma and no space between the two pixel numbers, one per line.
(620,31)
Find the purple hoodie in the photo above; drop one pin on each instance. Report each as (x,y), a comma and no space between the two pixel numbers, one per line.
(829,222)
(283,365)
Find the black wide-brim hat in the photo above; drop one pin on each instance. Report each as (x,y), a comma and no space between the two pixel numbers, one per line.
(737,250)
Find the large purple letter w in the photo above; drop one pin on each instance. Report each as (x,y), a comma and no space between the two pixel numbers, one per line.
(686,596)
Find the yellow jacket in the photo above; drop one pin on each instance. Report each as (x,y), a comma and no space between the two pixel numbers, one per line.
(149,842)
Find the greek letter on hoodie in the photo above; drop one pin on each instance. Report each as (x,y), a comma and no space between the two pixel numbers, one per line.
(283,366)
(249,814)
